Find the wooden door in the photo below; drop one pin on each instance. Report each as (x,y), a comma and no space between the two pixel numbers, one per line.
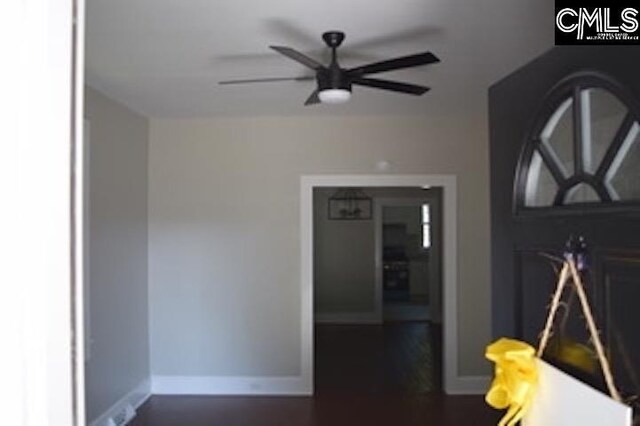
(565,160)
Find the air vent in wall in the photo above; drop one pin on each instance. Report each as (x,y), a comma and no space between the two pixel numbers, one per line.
(122,417)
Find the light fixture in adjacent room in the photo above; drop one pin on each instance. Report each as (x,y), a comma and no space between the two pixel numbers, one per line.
(334,96)
(350,204)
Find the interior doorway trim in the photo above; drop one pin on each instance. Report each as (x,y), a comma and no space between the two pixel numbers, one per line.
(453,382)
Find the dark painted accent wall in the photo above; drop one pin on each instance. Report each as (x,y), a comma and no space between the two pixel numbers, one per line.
(513,106)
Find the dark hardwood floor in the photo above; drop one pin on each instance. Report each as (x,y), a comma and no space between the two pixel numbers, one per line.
(365,375)
(389,358)
(328,410)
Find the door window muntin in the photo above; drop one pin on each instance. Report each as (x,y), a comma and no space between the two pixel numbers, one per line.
(566,177)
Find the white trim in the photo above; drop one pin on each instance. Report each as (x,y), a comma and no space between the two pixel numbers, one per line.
(348,318)
(36,322)
(377,261)
(82,340)
(83,236)
(306,291)
(136,397)
(229,385)
(453,382)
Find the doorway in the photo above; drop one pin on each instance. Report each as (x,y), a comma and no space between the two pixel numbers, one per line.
(375,249)
(355,311)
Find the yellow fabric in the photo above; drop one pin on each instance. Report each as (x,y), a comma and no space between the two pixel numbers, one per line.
(574,354)
(516,378)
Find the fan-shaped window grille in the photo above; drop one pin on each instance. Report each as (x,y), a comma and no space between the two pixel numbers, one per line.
(584,149)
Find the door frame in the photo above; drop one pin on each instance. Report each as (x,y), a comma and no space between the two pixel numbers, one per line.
(453,382)
(43,92)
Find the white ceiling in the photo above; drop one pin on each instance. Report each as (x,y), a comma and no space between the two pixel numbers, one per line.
(164,58)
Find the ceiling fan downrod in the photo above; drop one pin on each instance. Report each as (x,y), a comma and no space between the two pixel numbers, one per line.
(334,85)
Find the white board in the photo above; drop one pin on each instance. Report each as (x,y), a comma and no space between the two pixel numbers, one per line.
(562,400)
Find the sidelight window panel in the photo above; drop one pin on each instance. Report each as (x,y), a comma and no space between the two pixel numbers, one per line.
(557,135)
(603,114)
(541,187)
(623,177)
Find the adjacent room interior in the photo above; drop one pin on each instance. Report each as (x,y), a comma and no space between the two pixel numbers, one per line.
(377,287)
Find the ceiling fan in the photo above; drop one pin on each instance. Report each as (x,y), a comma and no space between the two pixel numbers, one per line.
(334,82)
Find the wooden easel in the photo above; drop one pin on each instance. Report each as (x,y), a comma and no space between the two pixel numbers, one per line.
(569,275)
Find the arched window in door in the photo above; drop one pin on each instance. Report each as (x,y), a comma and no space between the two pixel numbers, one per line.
(583,149)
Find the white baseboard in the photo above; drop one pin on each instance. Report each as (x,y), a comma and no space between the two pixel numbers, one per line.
(348,318)
(229,385)
(136,397)
(286,385)
(469,385)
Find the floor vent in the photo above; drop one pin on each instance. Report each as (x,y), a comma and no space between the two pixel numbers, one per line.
(122,417)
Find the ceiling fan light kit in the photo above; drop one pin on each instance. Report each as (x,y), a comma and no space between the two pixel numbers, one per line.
(334,83)
(334,96)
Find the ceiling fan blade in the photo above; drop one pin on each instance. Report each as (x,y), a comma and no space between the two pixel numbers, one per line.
(313,99)
(298,57)
(395,64)
(267,80)
(407,35)
(286,30)
(394,86)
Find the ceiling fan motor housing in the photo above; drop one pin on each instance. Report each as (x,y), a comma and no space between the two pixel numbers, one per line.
(333,78)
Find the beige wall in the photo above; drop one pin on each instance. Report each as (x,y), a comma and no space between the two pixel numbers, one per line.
(224,222)
(343,261)
(118,298)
